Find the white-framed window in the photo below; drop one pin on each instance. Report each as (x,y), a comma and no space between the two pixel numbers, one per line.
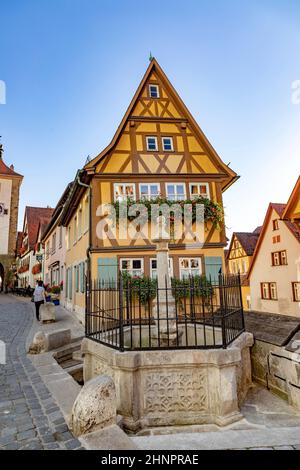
(153,267)
(69,238)
(80,222)
(123,191)
(75,230)
(276,258)
(269,291)
(273,290)
(189,267)
(47,249)
(167,144)
(133,266)
(60,236)
(199,190)
(296,291)
(86,214)
(151,142)
(149,190)
(153,91)
(175,191)
(53,248)
(265,294)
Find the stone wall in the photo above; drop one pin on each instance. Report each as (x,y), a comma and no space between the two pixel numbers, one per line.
(278,369)
(174,387)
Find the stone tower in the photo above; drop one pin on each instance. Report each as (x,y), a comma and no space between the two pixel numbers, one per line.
(10,183)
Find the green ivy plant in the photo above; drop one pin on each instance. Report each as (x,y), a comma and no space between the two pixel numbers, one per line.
(213,211)
(142,287)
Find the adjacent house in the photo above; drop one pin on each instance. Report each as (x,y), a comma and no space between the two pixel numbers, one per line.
(35,220)
(239,257)
(158,151)
(54,243)
(274,273)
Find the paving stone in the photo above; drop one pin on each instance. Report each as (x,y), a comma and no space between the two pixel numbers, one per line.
(12,446)
(26,427)
(52,446)
(6,439)
(8,431)
(26,435)
(48,437)
(73,444)
(61,428)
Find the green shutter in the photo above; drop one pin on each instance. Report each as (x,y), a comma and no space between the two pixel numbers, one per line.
(82,277)
(213,265)
(107,269)
(70,283)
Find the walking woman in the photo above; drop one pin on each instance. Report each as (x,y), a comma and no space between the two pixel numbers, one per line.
(39,298)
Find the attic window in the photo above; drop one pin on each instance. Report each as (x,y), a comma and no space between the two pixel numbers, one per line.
(153,91)
(167,144)
(151,143)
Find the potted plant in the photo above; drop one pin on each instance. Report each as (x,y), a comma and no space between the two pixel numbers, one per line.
(55,294)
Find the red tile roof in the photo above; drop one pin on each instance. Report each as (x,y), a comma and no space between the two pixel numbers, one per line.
(36,215)
(19,242)
(7,171)
(248,240)
(280,209)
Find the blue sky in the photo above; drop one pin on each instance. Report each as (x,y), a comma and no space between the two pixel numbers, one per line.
(72,66)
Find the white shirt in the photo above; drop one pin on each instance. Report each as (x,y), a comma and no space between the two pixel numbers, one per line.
(39,294)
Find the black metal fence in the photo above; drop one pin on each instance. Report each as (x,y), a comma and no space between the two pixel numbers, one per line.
(136,314)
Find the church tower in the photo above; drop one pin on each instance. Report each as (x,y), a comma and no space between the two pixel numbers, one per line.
(10,183)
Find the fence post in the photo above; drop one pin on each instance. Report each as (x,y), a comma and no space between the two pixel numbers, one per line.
(121,312)
(87,306)
(223,325)
(241,301)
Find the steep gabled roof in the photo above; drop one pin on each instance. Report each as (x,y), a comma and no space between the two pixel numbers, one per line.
(154,66)
(19,242)
(8,171)
(247,240)
(292,202)
(279,209)
(34,217)
(56,216)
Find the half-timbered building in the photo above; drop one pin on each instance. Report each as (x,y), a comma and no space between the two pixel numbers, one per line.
(158,151)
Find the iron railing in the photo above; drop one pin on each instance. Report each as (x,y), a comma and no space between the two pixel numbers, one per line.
(136,314)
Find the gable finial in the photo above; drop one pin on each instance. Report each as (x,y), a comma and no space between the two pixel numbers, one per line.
(151,57)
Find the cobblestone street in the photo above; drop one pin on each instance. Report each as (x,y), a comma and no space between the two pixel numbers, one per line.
(29,417)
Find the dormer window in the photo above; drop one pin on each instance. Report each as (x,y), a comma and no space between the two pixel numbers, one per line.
(167,144)
(153,91)
(152,144)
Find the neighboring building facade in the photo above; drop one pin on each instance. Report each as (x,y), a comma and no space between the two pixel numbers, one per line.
(54,243)
(275,269)
(35,220)
(158,150)
(10,183)
(239,258)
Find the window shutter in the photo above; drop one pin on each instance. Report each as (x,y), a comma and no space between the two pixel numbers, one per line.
(70,282)
(107,269)
(213,265)
(82,277)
